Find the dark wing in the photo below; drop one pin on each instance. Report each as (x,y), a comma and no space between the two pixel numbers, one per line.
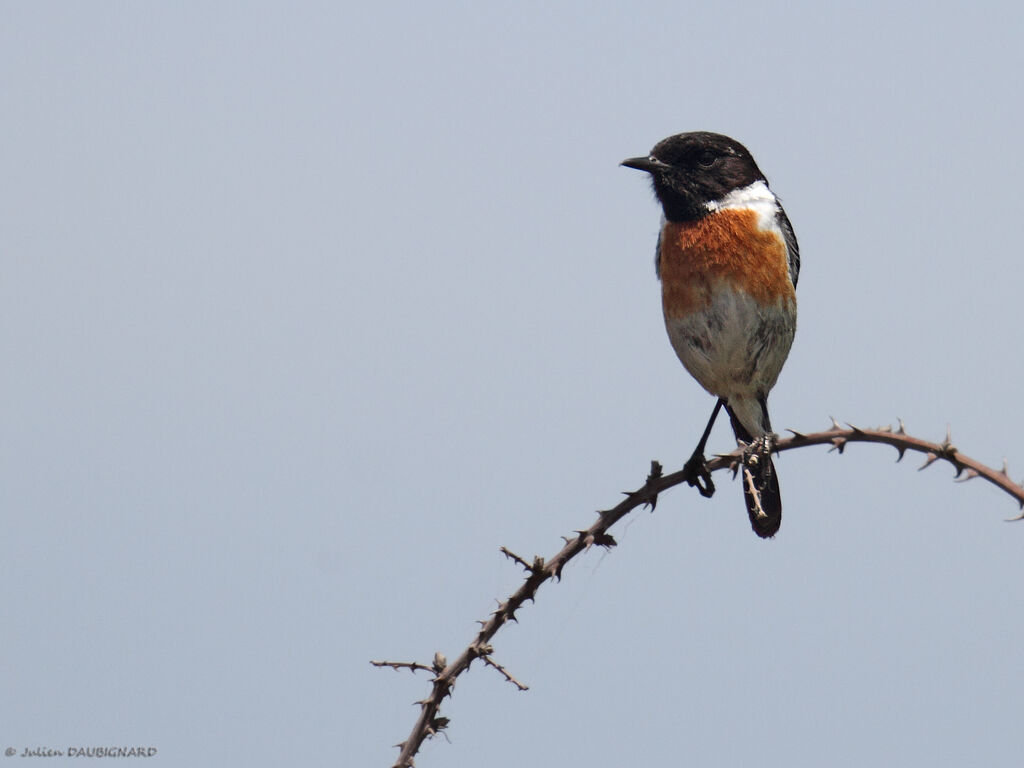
(657,257)
(792,247)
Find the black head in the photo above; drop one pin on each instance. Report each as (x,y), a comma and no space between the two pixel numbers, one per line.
(690,170)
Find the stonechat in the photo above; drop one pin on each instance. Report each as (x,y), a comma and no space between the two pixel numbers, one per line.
(728,261)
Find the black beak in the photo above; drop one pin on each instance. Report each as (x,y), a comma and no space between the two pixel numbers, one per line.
(650,164)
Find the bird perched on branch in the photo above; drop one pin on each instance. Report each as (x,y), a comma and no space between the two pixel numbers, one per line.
(728,261)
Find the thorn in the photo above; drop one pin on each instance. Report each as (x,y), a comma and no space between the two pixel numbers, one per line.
(932,458)
(835,424)
(1020,516)
(799,435)
(902,430)
(886,428)
(655,474)
(733,462)
(857,430)
(1006,468)
(971,474)
(947,445)
(901,450)
(838,444)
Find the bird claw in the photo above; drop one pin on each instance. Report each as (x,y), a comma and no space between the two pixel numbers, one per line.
(764,444)
(758,449)
(697,475)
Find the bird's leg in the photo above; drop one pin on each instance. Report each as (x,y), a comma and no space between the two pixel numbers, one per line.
(696,468)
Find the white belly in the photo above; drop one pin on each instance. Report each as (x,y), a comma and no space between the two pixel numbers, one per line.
(735,348)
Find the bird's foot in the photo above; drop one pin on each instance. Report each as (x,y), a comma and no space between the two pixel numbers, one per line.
(757,456)
(696,474)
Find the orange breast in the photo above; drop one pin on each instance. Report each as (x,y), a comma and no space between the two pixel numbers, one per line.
(727,246)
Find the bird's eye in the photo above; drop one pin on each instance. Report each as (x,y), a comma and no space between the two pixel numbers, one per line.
(706,159)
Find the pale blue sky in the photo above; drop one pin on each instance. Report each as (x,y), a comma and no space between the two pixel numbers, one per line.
(308,308)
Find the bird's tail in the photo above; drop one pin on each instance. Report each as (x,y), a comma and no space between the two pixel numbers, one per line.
(766,516)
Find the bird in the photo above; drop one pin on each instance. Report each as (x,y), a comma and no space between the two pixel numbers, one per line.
(728,261)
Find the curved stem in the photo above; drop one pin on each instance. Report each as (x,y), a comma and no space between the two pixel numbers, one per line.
(429,722)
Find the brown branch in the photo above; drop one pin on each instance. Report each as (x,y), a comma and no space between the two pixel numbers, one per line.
(748,479)
(412,666)
(540,570)
(492,663)
(513,556)
(970,468)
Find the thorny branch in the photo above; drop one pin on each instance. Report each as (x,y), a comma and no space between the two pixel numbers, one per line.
(412,666)
(540,570)
(492,663)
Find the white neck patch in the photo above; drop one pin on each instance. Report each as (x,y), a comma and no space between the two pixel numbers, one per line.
(755,197)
